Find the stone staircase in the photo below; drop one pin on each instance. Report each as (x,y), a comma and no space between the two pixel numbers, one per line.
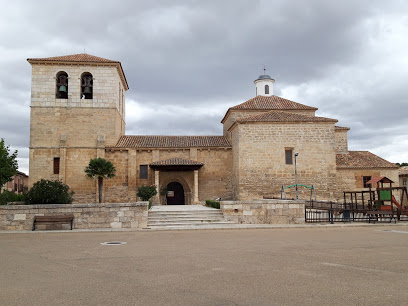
(185,216)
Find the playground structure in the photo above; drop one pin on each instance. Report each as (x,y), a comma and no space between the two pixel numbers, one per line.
(378,203)
(312,191)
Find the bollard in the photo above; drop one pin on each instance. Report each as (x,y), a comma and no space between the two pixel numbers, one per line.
(331,216)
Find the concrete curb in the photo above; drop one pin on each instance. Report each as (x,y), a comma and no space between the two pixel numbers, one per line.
(200,228)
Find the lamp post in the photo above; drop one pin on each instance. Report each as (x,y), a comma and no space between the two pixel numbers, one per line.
(297,192)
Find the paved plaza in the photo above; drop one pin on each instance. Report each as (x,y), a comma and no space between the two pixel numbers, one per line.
(288,266)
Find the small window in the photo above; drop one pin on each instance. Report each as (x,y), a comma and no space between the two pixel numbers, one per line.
(86,86)
(62,85)
(365,180)
(56,165)
(266,89)
(289,156)
(143,171)
(404,182)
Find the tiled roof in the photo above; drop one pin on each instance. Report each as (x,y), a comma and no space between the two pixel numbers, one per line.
(271,103)
(265,103)
(82,58)
(341,128)
(277,116)
(177,162)
(362,160)
(403,171)
(146,141)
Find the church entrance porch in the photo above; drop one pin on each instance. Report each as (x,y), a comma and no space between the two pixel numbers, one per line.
(175,194)
(179,178)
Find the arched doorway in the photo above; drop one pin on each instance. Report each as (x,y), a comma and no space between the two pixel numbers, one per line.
(175,194)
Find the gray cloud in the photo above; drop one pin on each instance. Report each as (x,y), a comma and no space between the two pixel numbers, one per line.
(188,61)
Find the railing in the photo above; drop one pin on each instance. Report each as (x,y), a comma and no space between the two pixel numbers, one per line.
(330,212)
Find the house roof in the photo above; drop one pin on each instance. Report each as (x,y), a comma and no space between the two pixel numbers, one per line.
(176,164)
(147,141)
(266,103)
(278,116)
(377,179)
(83,58)
(403,171)
(361,160)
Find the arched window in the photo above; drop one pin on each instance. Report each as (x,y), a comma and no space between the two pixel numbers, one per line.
(266,89)
(86,86)
(61,85)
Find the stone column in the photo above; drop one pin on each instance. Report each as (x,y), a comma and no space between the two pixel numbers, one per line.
(63,158)
(156,198)
(196,201)
(132,175)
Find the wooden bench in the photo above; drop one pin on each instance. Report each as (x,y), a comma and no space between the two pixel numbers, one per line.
(375,214)
(62,219)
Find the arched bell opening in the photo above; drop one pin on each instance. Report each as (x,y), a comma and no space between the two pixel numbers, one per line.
(61,85)
(86,86)
(175,194)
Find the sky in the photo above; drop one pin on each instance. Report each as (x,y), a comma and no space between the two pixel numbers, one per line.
(187,62)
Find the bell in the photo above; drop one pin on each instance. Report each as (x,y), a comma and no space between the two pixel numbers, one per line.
(87,90)
(62,88)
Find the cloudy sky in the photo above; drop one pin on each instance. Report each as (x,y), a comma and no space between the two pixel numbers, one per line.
(188,61)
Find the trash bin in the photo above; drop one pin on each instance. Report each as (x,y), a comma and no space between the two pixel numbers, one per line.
(346,215)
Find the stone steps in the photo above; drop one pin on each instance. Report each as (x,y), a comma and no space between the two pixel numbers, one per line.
(185,216)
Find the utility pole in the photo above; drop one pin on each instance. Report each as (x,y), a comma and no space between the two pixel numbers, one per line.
(297,191)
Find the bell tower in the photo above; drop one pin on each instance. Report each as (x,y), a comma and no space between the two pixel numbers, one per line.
(264,85)
(77,109)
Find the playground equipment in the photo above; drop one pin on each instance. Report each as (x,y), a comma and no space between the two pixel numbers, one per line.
(378,202)
(385,199)
(312,190)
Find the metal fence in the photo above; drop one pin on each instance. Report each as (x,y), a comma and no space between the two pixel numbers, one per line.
(330,212)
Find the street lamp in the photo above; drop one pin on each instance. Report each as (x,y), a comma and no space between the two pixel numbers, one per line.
(297,191)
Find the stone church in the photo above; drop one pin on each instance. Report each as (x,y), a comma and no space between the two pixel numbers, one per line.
(78,113)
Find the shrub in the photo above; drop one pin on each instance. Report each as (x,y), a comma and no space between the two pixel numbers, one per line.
(49,192)
(8,196)
(146,192)
(212,203)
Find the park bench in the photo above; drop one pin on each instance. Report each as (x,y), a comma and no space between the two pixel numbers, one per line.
(62,219)
(375,214)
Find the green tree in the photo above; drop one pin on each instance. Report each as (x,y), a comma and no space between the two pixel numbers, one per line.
(146,192)
(401,164)
(101,169)
(8,163)
(49,192)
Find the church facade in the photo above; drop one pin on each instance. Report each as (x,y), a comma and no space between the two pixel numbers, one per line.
(78,113)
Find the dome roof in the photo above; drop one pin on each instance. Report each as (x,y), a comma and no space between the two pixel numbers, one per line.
(264,77)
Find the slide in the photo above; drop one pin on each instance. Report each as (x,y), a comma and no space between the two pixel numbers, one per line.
(394,201)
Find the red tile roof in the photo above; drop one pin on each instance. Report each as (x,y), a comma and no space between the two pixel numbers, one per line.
(84,59)
(265,103)
(403,171)
(377,179)
(272,103)
(146,141)
(78,58)
(362,160)
(177,162)
(277,116)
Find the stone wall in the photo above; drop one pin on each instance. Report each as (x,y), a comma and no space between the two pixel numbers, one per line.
(341,140)
(86,216)
(214,178)
(261,169)
(264,211)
